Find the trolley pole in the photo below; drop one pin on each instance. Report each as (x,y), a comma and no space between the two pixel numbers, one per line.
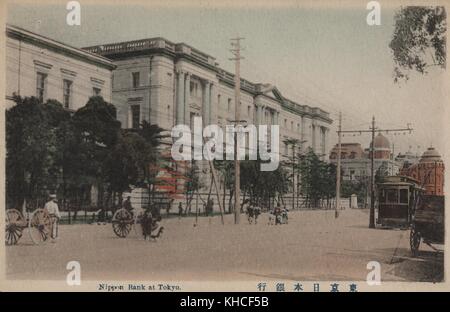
(338,170)
(372,178)
(236,50)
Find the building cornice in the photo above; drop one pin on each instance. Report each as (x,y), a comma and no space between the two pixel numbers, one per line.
(59,47)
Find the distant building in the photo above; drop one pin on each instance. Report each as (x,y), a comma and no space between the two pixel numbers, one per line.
(356,162)
(407,159)
(48,69)
(429,171)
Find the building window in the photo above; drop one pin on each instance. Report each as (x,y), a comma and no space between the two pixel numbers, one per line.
(403,196)
(96,91)
(67,91)
(193,88)
(298,127)
(286,149)
(249,111)
(392,196)
(292,125)
(135,116)
(229,104)
(41,83)
(218,100)
(136,79)
(285,123)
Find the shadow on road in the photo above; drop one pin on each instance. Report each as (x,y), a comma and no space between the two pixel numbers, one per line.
(427,266)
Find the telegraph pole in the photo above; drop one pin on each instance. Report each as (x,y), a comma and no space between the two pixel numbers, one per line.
(338,170)
(236,50)
(372,178)
(371,130)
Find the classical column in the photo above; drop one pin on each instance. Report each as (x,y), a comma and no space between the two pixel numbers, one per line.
(302,125)
(187,98)
(314,136)
(211,109)
(180,99)
(257,115)
(206,103)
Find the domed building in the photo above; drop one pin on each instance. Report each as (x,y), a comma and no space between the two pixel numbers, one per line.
(429,171)
(382,147)
(356,162)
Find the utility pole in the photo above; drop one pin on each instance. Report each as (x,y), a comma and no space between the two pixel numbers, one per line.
(372,130)
(338,170)
(236,50)
(372,178)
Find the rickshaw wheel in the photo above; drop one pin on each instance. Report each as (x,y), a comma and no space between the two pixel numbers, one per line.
(414,241)
(122,221)
(39,226)
(13,226)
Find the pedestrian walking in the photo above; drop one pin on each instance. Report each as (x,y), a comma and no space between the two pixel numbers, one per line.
(53,211)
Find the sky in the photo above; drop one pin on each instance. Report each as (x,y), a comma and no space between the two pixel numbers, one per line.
(323,56)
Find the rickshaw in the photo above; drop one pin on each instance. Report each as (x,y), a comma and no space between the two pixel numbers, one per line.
(428,223)
(124,220)
(398,197)
(39,225)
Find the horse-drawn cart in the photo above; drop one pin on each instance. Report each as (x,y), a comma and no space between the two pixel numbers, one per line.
(39,225)
(428,223)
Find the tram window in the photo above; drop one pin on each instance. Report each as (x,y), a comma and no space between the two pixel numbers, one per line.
(391,196)
(403,196)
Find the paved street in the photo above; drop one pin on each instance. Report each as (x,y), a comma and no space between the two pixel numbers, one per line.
(313,246)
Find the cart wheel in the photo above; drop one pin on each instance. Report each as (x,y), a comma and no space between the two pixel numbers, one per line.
(414,241)
(138,230)
(121,222)
(39,226)
(13,226)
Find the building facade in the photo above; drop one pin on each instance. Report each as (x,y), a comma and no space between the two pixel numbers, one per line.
(429,171)
(48,69)
(169,83)
(356,162)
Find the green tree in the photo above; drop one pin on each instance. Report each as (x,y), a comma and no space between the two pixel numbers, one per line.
(318,179)
(191,185)
(226,169)
(96,132)
(419,39)
(33,150)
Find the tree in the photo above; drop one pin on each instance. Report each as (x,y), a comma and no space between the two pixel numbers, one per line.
(33,146)
(226,169)
(318,179)
(191,185)
(419,39)
(96,132)
(382,172)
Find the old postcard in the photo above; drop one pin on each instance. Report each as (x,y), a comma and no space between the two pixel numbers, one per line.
(171,146)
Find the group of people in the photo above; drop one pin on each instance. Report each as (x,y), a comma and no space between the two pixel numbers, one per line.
(278,215)
(149,219)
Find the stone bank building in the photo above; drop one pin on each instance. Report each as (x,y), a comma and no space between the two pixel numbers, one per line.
(169,83)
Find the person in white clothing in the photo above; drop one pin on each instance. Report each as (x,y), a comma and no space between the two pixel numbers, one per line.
(52,209)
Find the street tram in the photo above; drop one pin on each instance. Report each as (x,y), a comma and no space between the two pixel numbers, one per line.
(398,197)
